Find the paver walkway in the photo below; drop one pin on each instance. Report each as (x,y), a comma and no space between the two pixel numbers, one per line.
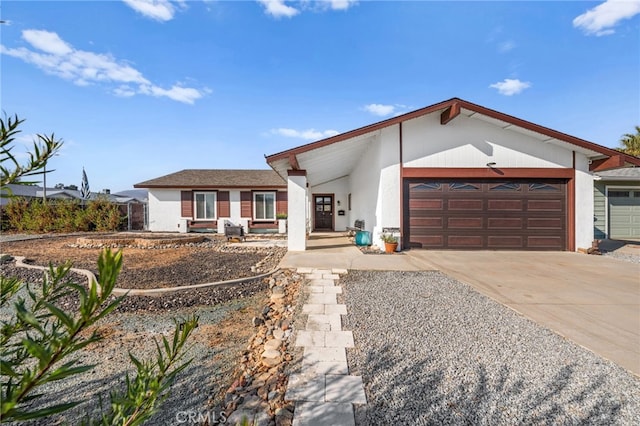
(324,392)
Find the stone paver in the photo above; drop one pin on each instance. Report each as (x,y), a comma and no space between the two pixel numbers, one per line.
(305,387)
(323,414)
(324,298)
(316,354)
(343,388)
(338,339)
(333,320)
(334,309)
(324,392)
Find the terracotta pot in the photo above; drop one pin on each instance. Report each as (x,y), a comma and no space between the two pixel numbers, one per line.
(390,247)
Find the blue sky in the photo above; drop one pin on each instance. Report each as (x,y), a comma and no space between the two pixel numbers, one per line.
(142,88)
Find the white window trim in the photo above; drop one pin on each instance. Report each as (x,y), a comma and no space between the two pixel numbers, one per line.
(275,199)
(215,205)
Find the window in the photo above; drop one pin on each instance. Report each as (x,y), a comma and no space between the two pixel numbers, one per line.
(427,186)
(205,205)
(619,194)
(264,205)
(507,186)
(463,187)
(542,187)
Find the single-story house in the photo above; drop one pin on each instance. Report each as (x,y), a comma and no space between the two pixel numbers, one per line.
(617,204)
(453,175)
(206,200)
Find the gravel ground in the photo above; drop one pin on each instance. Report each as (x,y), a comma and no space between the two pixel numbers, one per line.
(224,329)
(432,350)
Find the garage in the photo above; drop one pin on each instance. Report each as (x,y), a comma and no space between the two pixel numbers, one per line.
(624,213)
(516,214)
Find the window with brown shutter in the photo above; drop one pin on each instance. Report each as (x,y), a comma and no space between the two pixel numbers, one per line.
(224,206)
(245,204)
(281,202)
(186,204)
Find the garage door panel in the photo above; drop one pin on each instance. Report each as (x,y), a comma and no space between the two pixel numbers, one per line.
(465,241)
(504,242)
(545,205)
(545,223)
(624,213)
(504,223)
(522,214)
(467,205)
(547,242)
(465,223)
(427,222)
(502,205)
(426,204)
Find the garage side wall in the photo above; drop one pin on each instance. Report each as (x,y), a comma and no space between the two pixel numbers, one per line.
(164,210)
(375,184)
(599,211)
(584,210)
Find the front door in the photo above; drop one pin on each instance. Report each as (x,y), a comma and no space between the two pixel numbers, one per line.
(323,217)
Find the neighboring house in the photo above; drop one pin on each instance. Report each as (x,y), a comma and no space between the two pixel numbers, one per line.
(206,200)
(454,175)
(617,204)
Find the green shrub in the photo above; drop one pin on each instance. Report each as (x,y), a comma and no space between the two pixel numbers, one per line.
(36,216)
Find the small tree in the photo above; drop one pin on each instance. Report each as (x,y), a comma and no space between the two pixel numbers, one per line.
(631,143)
(39,343)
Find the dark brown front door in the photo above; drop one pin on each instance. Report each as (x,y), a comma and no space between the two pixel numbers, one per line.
(323,217)
(518,214)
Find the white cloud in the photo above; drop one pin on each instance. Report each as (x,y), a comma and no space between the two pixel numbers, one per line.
(506,46)
(601,19)
(47,42)
(340,4)
(510,87)
(56,57)
(278,8)
(379,109)
(160,10)
(310,134)
(382,110)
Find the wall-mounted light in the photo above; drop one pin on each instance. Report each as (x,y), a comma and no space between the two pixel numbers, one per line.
(338,202)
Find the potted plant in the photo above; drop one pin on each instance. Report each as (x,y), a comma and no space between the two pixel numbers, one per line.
(282,222)
(390,242)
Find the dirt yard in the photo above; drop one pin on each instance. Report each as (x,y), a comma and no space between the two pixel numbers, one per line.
(169,263)
(225,312)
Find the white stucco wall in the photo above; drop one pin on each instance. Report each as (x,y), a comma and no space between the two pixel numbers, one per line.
(375,184)
(584,211)
(297,215)
(469,142)
(340,189)
(164,210)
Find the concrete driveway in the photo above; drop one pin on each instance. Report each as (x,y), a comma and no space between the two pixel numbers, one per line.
(592,300)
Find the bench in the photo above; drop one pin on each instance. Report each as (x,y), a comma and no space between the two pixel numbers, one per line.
(358,225)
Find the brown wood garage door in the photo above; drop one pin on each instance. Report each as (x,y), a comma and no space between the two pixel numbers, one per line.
(486,214)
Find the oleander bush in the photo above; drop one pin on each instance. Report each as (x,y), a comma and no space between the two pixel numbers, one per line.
(36,216)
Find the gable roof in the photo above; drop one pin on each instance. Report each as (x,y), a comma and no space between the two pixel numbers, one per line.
(212,179)
(449,110)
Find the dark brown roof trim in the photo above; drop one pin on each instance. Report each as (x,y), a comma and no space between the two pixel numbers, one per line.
(450,113)
(454,105)
(212,188)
